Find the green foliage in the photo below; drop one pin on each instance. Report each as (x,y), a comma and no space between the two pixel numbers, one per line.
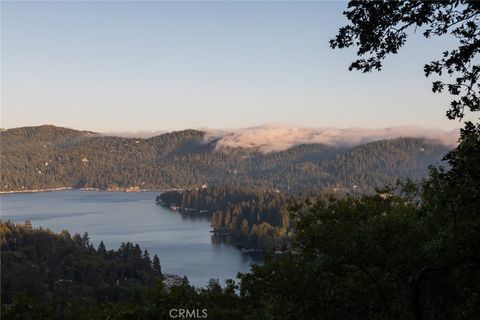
(386,256)
(342,266)
(49,157)
(253,219)
(24,308)
(58,268)
(47,275)
(409,253)
(380,28)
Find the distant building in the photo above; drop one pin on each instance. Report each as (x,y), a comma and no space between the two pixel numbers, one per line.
(171,280)
(385,195)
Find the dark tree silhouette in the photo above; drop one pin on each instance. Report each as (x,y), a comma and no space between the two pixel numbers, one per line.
(380,28)
(101,249)
(157,269)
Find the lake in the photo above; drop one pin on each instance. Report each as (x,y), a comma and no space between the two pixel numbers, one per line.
(183,244)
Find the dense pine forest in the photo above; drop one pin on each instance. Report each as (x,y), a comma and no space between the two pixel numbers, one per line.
(410,250)
(250,219)
(410,253)
(60,269)
(48,157)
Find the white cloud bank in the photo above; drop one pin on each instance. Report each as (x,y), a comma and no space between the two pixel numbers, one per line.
(274,138)
(270,138)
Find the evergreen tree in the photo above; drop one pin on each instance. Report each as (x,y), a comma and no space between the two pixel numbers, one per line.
(101,249)
(157,269)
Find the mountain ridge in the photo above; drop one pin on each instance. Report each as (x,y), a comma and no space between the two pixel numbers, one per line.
(271,134)
(45,157)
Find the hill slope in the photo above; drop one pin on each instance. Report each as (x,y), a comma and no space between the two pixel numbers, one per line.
(52,157)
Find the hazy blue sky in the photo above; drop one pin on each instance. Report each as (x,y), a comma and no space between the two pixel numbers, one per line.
(127,66)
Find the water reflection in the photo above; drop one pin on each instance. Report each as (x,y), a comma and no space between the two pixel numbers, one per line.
(182,241)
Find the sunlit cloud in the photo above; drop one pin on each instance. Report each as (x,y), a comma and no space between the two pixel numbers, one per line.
(270,138)
(274,138)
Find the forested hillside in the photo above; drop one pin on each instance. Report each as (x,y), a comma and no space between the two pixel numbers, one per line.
(48,157)
(253,219)
(60,268)
(406,255)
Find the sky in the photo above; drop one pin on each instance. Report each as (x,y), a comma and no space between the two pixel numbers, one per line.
(162,66)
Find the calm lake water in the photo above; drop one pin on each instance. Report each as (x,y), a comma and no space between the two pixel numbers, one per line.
(184,245)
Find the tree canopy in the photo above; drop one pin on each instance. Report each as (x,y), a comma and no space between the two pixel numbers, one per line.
(410,253)
(380,28)
(49,157)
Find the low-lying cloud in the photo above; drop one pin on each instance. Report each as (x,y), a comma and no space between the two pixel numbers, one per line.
(278,138)
(274,138)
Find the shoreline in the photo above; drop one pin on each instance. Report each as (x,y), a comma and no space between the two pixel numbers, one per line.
(37,190)
(127,190)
